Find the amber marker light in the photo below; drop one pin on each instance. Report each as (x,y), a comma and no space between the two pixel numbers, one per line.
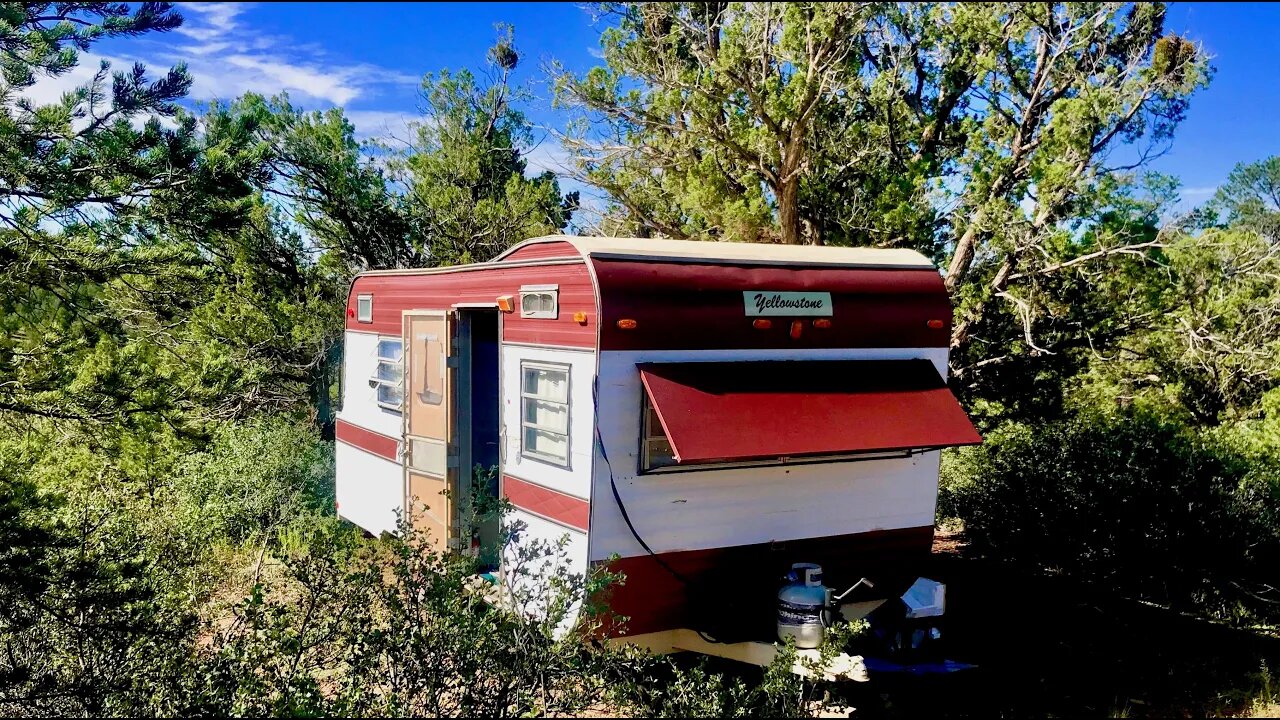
(580,318)
(626,324)
(936,324)
(507,303)
(762,323)
(822,323)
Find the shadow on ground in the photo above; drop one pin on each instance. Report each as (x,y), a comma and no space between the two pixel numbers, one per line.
(1048,647)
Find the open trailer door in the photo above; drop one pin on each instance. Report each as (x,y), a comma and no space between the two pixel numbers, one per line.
(430,427)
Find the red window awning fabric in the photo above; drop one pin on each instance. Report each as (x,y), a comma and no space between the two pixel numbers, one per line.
(739,411)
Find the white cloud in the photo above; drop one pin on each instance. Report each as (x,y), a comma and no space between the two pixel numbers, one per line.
(312,81)
(548,155)
(1197,193)
(48,90)
(215,19)
(384,124)
(230,57)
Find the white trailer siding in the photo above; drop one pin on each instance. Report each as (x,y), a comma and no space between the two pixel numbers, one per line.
(369,488)
(541,527)
(575,480)
(706,509)
(359,399)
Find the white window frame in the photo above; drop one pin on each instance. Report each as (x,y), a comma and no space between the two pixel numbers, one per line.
(364,314)
(648,434)
(377,382)
(525,396)
(549,293)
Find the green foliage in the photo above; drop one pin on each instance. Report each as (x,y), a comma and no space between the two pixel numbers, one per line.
(1191,330)
(1133,503)
(255,478)
(172,290)
(468,195)
(922,125)
(1251,197)
(339,195)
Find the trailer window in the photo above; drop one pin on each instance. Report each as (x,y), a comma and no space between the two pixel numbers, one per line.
(388,378)
(364,308)
(656,451)
(540,301)
(544,412)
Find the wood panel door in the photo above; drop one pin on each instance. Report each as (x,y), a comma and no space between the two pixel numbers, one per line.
(430,427)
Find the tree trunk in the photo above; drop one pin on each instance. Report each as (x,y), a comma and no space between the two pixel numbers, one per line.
(789,211)
(962,258)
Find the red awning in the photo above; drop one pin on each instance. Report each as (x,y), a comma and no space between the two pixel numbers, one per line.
(729,411)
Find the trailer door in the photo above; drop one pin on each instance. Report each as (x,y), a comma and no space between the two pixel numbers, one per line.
(430,427)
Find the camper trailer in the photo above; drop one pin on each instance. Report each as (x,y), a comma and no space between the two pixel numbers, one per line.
(697,415)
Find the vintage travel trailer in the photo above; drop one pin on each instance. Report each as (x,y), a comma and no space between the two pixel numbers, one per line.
(706,414)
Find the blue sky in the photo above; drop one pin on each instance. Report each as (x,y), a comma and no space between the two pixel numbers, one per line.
(369,58)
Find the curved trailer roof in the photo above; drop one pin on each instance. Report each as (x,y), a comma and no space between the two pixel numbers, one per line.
(658,249)
(683,294)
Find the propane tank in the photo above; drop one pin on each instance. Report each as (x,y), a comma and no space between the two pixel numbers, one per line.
(801,604)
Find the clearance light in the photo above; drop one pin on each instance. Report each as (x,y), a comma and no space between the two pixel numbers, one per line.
(936,324)
(822,323)
(351,312)
(507,303)
(626,324)
(762,323)
(796,328)
(580,318)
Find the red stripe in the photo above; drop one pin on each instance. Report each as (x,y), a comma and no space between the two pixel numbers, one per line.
(393,294)
(564,509)
(734,589)
(543,251)
(367,440)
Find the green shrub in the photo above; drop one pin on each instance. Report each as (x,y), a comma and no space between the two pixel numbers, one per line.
(217,584)
(360,628)
(255,477)
(1148,508)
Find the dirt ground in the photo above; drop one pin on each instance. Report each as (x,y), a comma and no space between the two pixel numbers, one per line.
(1047,647)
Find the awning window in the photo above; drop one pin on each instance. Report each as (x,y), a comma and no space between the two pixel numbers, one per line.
(720,412)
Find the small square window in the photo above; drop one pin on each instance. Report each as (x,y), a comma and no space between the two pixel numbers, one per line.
(364,308)
(540,301)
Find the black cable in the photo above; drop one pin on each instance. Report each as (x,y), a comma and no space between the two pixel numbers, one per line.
(626,517)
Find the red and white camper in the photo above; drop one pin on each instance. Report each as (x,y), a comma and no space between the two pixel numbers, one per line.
(706,413)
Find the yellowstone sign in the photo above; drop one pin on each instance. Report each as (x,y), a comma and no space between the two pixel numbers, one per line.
(761,303)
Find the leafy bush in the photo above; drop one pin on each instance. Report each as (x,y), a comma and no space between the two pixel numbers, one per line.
(1146,507)
(215,584)
(356,628)
(255,477)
